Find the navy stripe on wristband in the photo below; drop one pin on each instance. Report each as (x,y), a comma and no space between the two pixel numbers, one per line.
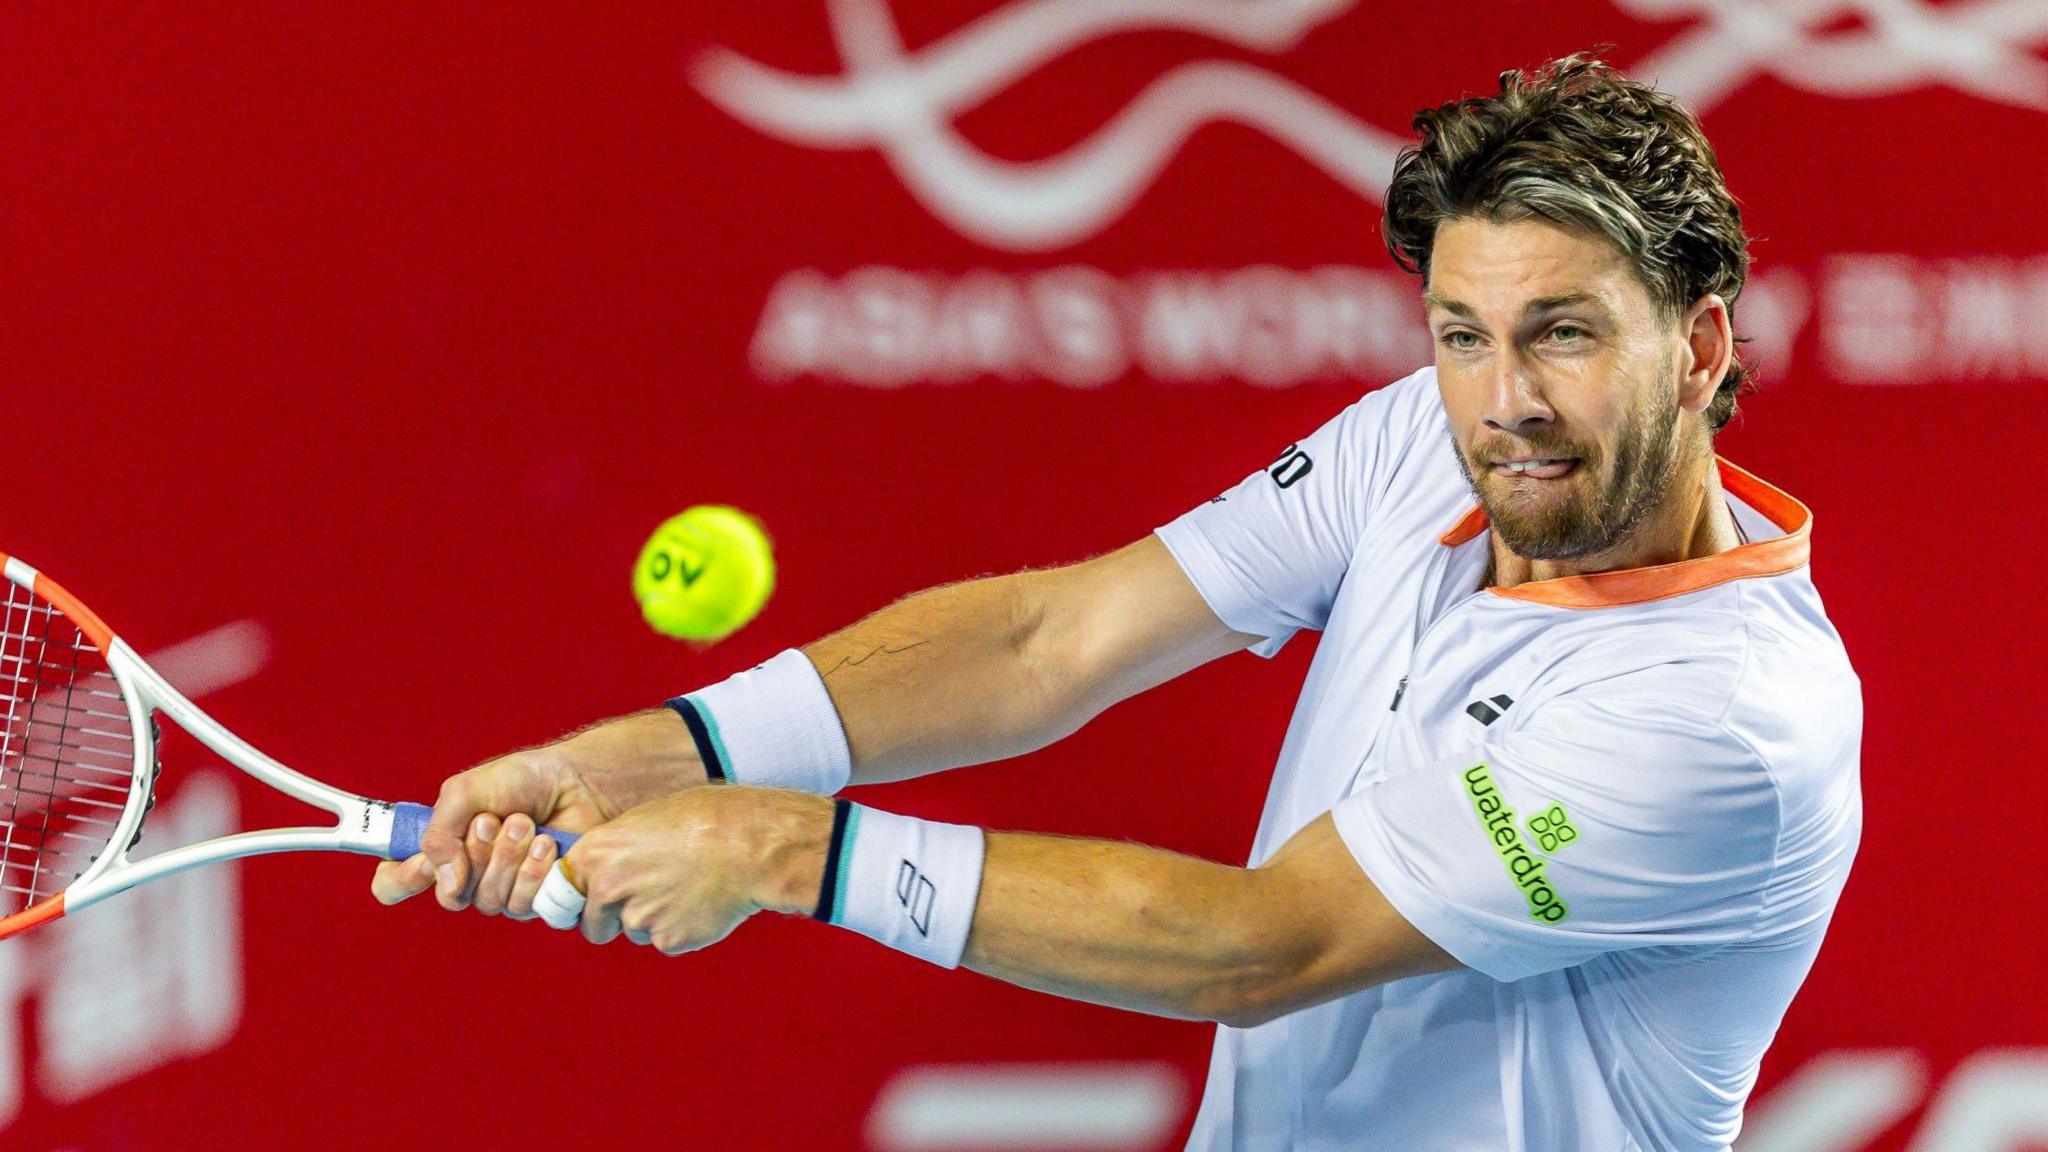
(829,885)
(707,748)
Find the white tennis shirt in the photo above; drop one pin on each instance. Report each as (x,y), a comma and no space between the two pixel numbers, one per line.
(1625,802)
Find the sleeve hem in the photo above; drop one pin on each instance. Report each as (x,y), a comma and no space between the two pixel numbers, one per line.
(1204,569)
(1442,922)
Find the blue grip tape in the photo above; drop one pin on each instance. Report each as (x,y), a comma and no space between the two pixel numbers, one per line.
(409,823)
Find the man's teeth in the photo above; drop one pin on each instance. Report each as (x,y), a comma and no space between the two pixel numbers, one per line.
(1526,465)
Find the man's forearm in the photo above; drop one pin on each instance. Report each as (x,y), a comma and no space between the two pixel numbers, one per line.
(1132,927)
(1139,928)
(1135,927)
(944,678)
(1103,921)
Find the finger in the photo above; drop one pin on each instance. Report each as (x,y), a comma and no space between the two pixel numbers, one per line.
(442,841)
(540,856)
(600,923)
(640,936)
(691,937)
(515,783)
(501,867)
(473,853)
(600,916)
(397,880)
(478,845)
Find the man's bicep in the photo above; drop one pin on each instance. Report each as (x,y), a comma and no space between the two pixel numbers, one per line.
(1340,932)
(1111,627)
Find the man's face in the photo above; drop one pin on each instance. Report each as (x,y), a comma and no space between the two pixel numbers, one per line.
(1560,378)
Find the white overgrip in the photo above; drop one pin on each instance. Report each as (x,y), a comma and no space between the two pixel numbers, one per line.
(558,903)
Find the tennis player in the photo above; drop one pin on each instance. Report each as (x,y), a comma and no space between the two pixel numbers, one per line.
(1571,789)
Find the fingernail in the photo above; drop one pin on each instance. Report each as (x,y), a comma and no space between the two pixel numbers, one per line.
(446,875)
(540,847)
(518,828)
(485,827)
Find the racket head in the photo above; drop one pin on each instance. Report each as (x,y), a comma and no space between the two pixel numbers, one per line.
(75,774)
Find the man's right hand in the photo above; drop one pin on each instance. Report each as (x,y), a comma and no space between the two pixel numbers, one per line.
(479,847)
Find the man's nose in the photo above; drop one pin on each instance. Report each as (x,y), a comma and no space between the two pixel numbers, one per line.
(1515,400)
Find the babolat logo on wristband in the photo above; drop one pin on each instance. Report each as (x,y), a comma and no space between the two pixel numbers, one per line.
(911,884)
(1524,867)
(917,894)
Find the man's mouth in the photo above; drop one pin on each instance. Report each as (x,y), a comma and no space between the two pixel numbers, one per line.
(1537,468)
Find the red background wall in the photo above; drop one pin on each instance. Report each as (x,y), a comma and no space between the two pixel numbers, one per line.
(395,329)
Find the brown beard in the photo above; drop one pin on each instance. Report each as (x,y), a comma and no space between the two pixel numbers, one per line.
(1590,522)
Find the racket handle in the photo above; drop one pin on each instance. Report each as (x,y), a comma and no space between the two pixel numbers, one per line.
(409,823)
(559,903)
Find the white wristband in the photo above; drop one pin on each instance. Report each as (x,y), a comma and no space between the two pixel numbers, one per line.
(773,725)
(908,883)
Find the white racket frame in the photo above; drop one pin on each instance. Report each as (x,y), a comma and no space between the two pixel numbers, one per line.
(362,825)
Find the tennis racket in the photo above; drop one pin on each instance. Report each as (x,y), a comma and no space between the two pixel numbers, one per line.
(78,767)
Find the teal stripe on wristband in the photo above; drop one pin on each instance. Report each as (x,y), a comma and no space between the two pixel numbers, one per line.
(845,863)
(717,741)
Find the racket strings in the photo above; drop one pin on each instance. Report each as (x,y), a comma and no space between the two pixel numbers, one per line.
(67,751)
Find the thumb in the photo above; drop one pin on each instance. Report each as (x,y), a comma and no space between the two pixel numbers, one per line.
(398,880)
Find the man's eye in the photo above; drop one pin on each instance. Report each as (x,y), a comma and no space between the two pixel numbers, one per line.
(1569,333)
(1458,339)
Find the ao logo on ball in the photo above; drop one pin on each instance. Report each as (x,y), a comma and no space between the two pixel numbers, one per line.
(704,573)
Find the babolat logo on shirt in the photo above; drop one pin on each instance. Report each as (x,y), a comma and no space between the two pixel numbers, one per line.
(1525,867)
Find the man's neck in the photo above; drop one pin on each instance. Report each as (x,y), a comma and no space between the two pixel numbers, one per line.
(1693,521)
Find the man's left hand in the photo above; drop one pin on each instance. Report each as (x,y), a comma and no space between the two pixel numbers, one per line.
(682,871)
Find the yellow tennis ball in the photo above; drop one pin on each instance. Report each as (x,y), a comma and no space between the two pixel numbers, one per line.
(704,573)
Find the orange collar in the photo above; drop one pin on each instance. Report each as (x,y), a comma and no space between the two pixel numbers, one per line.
(1640,585)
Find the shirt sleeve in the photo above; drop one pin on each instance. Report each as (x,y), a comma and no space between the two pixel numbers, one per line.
(1603,824)
(1269,554)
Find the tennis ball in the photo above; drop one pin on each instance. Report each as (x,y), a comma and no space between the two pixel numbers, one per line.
(704,573)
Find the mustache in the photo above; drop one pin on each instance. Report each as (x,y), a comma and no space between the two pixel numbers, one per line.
(1495,451)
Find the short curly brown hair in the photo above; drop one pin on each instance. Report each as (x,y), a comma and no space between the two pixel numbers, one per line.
(1581,146)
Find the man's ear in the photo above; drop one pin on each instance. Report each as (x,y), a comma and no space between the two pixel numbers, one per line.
(1710,346)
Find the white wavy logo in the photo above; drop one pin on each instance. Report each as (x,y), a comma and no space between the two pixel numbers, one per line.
(903,103)
(1982,47)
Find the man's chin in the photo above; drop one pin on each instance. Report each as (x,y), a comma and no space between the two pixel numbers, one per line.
(1521,498)
(1542,529)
